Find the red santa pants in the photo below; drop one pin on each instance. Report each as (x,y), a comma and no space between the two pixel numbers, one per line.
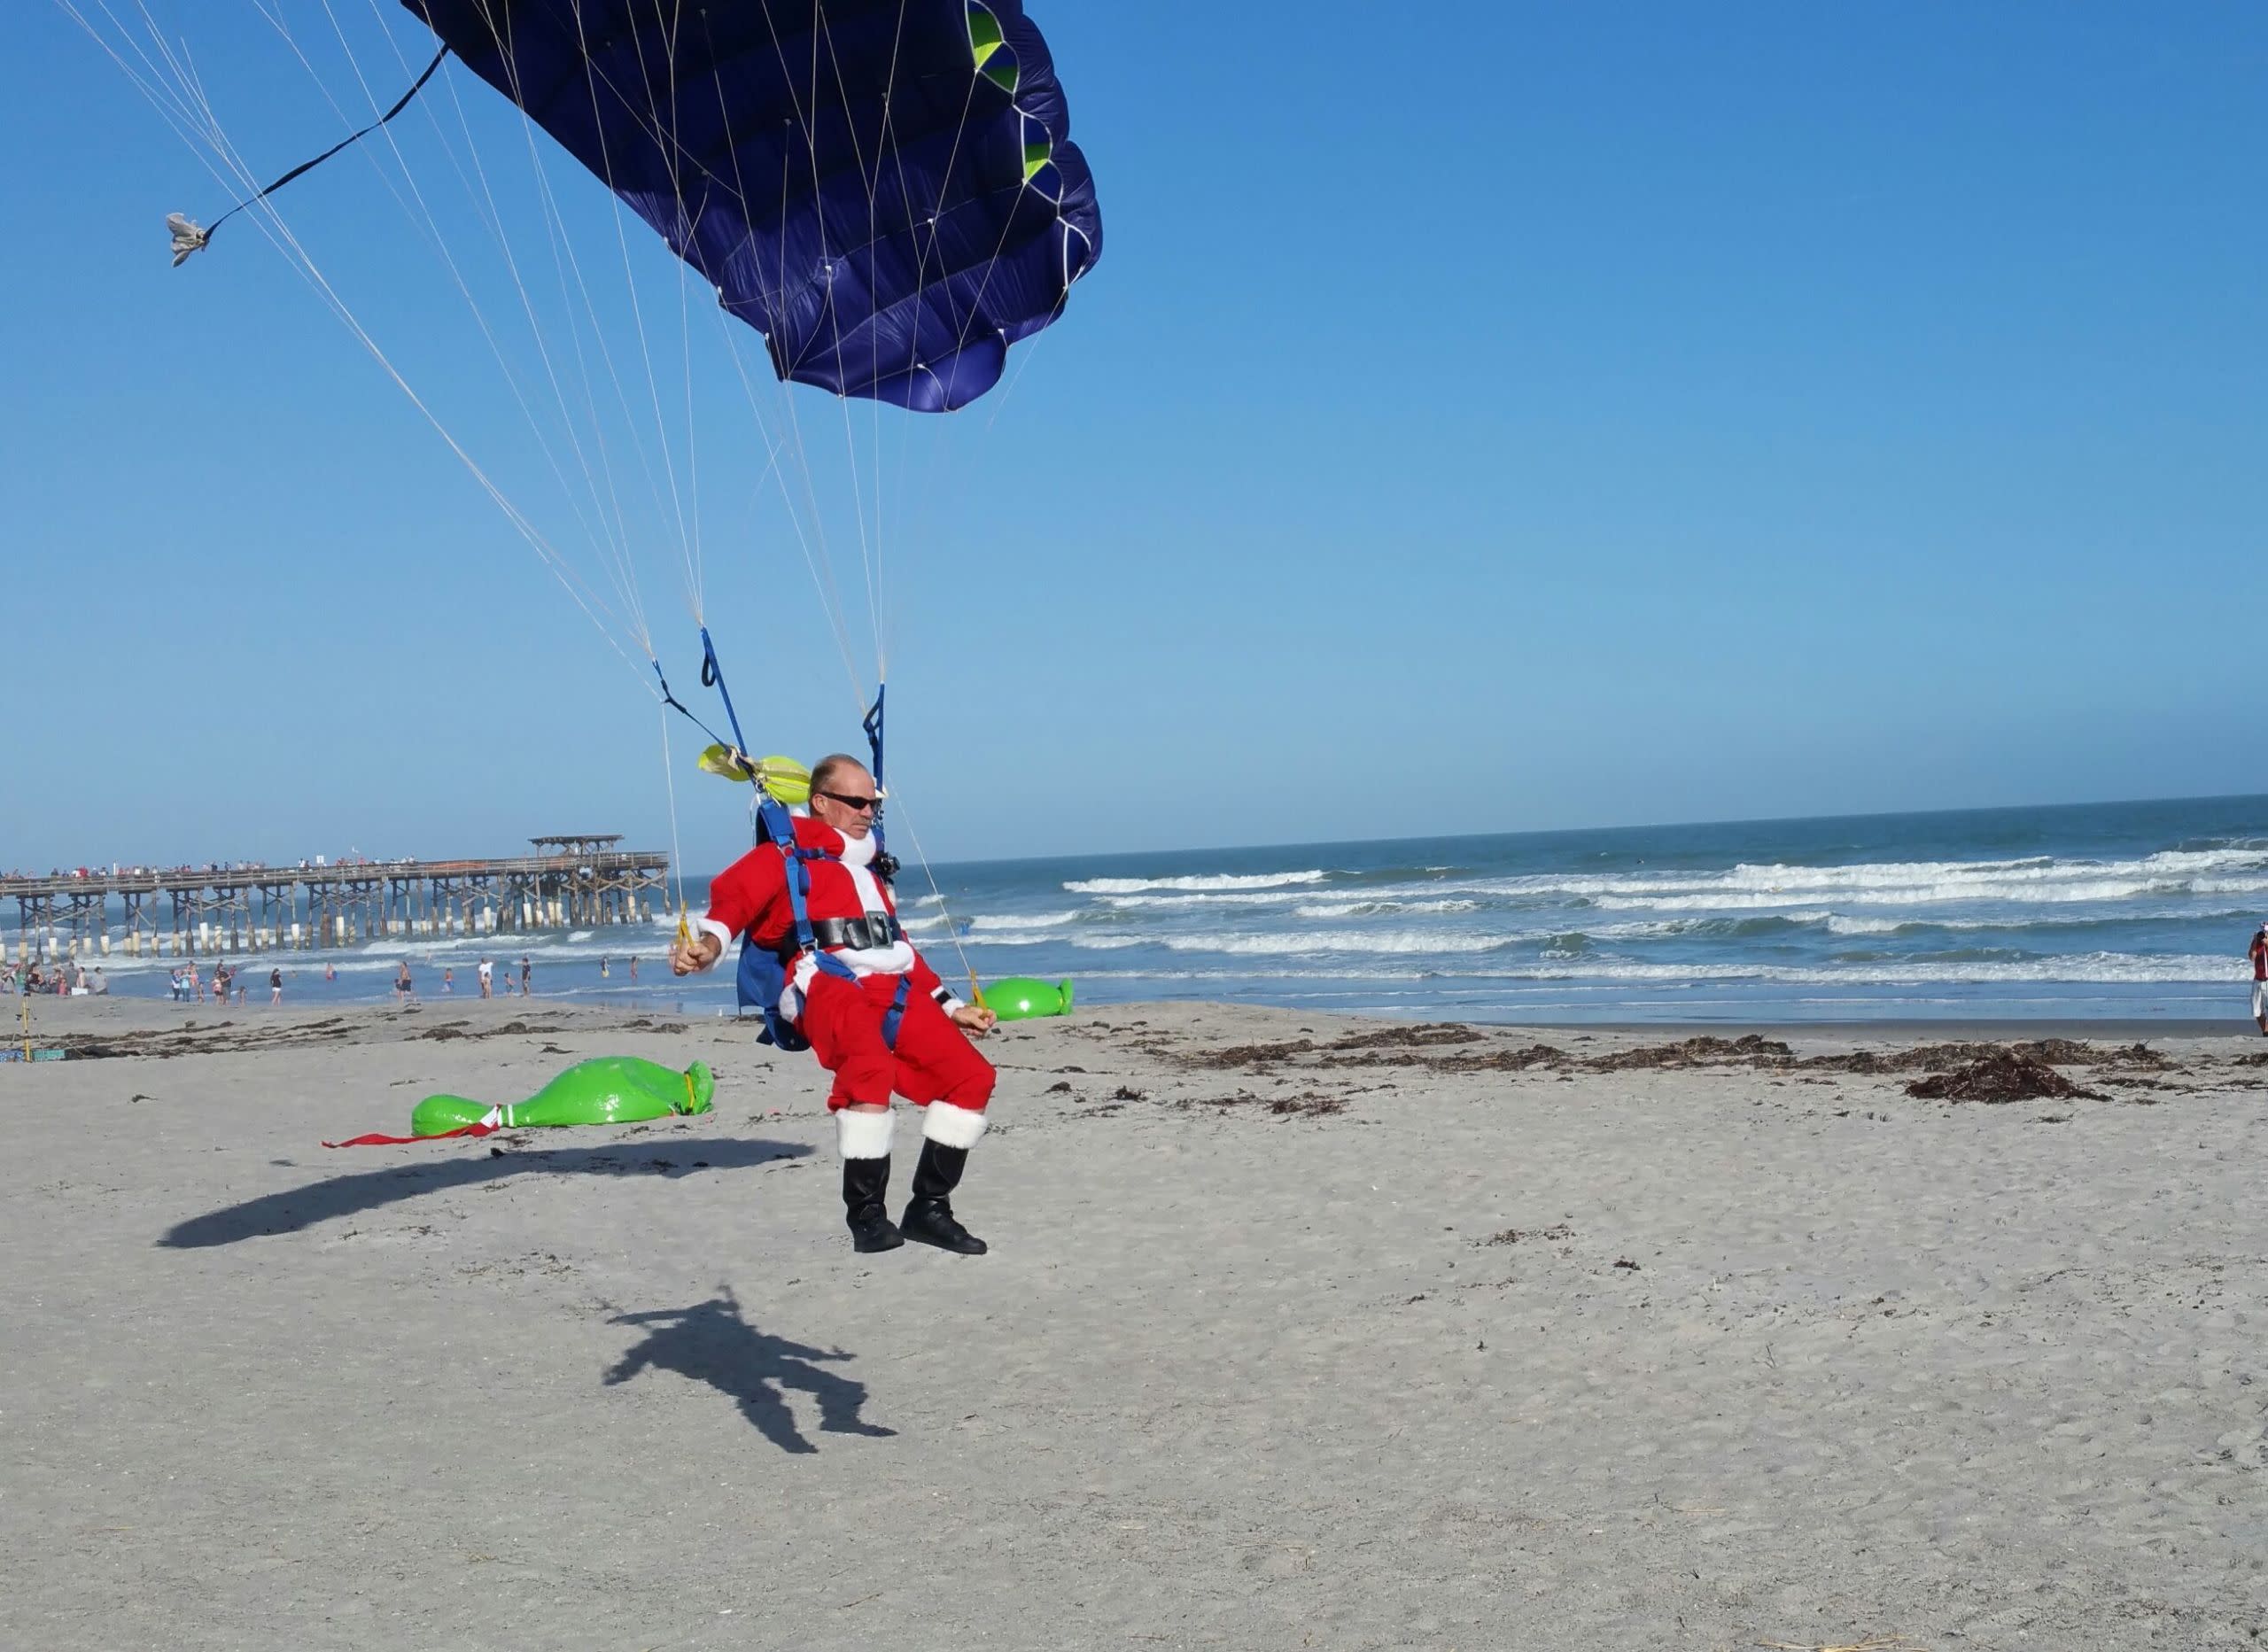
(934,1060)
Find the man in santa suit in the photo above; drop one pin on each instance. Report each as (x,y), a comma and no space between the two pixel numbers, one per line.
(847,1007)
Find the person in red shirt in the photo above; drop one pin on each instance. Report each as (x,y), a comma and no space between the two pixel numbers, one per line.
(2260,977)
(874,980)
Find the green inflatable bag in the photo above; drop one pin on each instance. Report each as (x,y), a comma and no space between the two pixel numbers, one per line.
(606,1089)
(1019,1000)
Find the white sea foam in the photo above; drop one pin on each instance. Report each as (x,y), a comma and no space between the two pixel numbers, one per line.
(2040,878)
(1198,903)
(1381,908)
(1209,880)
(2094,968)
(1439,941)
(986,925)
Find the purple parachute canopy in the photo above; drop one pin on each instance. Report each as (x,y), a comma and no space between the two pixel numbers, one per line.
(886,189)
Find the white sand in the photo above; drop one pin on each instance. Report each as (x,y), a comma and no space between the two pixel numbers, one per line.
(1229,1379)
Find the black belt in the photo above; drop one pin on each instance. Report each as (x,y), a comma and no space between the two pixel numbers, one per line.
(874,930)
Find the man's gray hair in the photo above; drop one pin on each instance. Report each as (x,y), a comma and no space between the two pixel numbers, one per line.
(827,768)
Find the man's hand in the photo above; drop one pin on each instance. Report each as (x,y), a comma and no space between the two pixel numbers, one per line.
(690,958)
(974,1019)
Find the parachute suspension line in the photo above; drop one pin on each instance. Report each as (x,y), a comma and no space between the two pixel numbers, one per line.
(664,133)
(565,262)
(884,145)
(829,604)
(619,575)
(830,599)
(930,876)
(677,853)
(803,121)
(188,237)
(612,537)
(629,280)
(194,118)
(870,550)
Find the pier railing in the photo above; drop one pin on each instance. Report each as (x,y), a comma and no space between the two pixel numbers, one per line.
(575,882)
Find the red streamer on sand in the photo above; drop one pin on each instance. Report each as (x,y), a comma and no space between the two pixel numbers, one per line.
(406,1141)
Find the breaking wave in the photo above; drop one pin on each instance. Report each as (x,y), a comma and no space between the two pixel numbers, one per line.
(1208,881)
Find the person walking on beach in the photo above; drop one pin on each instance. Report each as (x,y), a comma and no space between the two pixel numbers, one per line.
(873,985)
(2260,977)
(487,979)
(527,973)
(448,981)
(274,987)
(402,985)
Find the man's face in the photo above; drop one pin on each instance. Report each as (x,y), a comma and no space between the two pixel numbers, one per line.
(829,809)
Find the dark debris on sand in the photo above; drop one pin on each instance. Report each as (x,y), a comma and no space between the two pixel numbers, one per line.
(1306,1104)
(1953,1071)
(2002,1075)
(1753,1050)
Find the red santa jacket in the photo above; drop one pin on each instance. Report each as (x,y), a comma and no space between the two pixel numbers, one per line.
(749,897)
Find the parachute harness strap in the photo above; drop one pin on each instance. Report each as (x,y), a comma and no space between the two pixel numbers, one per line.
(779,826)
(712,676)
(189,237)
(872,724)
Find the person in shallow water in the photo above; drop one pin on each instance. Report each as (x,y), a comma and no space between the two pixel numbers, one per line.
(933,1066)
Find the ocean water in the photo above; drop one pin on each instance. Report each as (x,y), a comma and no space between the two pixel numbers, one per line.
(2126,909)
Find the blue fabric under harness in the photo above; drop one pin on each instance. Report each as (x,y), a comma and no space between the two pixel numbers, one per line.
(762,980)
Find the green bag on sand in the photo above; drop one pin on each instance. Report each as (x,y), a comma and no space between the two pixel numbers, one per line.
(1020,998)
(605,1090)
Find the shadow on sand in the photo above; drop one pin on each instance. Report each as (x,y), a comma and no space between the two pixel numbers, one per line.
(711,1343)
(298,1207)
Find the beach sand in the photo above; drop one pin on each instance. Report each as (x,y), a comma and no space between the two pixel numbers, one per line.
(1297,1332)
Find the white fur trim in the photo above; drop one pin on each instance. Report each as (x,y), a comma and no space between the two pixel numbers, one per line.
(949,1126)
(711,926)
(863,1135)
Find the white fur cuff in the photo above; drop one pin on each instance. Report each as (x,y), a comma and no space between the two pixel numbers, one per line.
(864,1135)
(949,1126)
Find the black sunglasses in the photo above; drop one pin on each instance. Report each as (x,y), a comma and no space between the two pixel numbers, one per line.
(860,804)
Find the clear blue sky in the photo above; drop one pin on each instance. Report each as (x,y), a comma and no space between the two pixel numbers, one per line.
(1483,417)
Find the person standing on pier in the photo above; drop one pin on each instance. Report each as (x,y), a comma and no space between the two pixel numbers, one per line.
(875,1015)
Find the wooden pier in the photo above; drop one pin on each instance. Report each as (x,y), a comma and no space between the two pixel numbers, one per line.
(579,880)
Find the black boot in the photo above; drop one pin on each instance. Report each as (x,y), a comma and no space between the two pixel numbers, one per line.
(865,1183)
(929,1212)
